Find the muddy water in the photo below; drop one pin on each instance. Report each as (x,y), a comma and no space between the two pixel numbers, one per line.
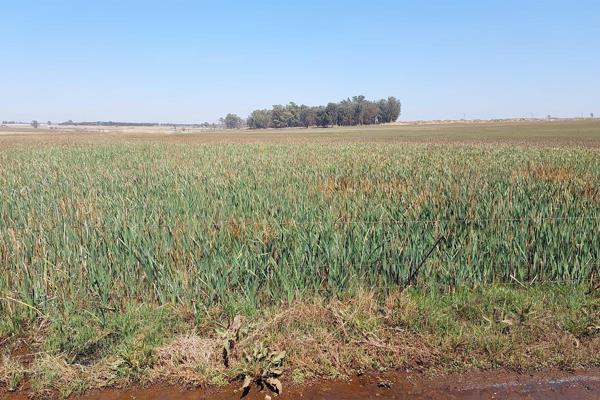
(582,385)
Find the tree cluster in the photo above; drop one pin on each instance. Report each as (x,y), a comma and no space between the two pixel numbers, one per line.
(352,111)
(231,121)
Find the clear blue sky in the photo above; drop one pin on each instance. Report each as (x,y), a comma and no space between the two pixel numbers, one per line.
(194,61)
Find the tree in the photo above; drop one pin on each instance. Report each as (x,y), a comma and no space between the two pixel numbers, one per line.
(232,121)
(358,103)
(389,110)
(294,114)
(281,116)
(370,113)
(346,113)
(394,108)
(307,116)
(35,124)
(259,119)
(49,123)
(321,117)
(331,114)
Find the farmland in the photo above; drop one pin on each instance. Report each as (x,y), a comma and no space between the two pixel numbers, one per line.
(480,243)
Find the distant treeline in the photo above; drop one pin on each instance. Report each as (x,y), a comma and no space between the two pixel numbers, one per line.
(108,123)
(352,111)
(205,125)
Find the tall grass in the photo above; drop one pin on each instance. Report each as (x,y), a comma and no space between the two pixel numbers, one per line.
(93,228)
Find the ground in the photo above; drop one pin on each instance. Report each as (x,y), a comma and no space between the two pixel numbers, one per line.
(151,255)
(584,132)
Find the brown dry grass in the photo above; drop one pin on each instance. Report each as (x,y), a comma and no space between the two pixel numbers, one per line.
(348,186)
(188,359)
(561,175)
(555,174)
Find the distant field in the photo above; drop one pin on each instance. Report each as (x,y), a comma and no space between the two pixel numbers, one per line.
(584,133)
(95,224)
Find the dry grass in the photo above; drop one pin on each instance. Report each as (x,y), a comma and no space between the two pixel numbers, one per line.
(189,359)
(12,372)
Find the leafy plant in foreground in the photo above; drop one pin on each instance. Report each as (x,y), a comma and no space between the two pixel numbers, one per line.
(263,367)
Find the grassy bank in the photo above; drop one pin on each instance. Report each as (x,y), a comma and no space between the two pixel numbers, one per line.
(117,254)
(499,326)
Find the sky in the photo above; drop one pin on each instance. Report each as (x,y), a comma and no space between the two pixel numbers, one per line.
(195,61)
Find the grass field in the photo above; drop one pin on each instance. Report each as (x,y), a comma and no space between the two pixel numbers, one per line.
(447,246)
(561,133)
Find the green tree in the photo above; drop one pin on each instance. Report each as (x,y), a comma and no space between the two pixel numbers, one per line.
(308,116)
(321,116)
(370,113)
(281,117)
(357,105)
(232,121)
(394,108)
(389,109)
(259,119)
(294,111)
(331,114)
(346,113)
(351,111)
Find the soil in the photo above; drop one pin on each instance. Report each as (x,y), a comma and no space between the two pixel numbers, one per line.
(579,385)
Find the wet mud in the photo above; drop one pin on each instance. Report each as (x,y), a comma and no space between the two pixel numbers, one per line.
(580,385)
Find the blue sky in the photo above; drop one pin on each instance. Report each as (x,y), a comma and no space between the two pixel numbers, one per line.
(194,61)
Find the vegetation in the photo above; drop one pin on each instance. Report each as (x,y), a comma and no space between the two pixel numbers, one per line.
(355,111)
(231,121)
(160,223)
(107,123)
(120,260)
(543,326)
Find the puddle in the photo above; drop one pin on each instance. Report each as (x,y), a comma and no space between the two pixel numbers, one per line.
(582,385)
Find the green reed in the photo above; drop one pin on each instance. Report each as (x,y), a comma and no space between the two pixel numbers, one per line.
(94,227)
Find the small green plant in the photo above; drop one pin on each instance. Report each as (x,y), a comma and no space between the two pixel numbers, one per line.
(263,367)
(16,377)
(134,361)
(298,377)
(12,373)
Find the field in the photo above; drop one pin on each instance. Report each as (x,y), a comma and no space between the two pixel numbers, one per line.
(443,247)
